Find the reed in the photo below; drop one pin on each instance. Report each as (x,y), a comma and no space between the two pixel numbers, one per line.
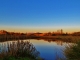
(72,52)
(19,49)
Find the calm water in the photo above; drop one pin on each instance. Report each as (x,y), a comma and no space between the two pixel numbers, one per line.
(49,50)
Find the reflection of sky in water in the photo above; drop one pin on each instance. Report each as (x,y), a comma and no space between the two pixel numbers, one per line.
(48,50)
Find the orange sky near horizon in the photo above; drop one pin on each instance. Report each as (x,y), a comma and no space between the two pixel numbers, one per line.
(43,30)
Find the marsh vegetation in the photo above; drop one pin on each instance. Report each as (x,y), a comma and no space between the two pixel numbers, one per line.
(22,50)
(72,52)
(19,50)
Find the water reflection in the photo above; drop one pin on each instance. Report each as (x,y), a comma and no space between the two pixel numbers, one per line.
(49,49)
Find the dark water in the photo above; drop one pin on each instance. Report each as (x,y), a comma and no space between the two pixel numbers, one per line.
(49,50)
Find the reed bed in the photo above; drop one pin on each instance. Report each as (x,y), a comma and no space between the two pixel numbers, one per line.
(19,49)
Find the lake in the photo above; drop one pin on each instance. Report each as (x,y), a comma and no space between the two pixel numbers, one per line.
(49,49)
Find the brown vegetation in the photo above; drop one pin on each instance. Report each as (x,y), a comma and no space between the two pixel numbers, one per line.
(4,35)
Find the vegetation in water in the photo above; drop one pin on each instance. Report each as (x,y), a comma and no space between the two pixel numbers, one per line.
(19,50)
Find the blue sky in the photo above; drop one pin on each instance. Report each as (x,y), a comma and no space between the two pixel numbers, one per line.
(40,14)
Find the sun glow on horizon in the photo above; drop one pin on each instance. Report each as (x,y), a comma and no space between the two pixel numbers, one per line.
(42,30)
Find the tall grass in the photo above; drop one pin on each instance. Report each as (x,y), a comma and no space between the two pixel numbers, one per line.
(20,49)
(73,52)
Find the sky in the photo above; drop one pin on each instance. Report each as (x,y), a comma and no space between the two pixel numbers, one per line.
(39,15)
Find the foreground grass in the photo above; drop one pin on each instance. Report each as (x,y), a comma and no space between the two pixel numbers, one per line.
(13,58)
(20,58)
(19,50)
(73,52)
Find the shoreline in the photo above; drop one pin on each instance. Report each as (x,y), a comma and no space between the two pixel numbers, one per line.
(22,37)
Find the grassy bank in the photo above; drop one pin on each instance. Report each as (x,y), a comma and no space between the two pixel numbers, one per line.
(72,52)
(24,36)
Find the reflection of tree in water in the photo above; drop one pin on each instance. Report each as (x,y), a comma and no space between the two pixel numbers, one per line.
(18,49)
(59,42)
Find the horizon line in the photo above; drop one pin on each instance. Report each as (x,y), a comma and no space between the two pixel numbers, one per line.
(37,31)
